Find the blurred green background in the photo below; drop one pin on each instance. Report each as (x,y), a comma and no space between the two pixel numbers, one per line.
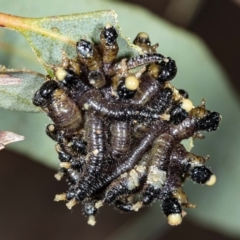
(28,188)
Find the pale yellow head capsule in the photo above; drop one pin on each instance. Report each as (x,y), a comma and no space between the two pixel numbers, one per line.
(143,35)
(91,220)
(60,197)
(174,219)
(61,74)
(186,105)
(71,204)
(131,83)
(212,180)
(108,25)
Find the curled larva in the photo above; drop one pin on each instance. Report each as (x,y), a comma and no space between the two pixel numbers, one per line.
(59,107)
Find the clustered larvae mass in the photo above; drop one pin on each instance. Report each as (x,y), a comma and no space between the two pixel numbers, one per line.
(118,124)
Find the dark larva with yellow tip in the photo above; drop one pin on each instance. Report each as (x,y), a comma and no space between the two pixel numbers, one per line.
(159,159)
(172,204)
(193,166)
(118,124)
(142,40)
(88,55)
(108,46)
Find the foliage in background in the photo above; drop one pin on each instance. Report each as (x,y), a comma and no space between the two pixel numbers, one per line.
(198,73)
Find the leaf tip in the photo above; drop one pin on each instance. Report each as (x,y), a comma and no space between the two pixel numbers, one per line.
(9,137)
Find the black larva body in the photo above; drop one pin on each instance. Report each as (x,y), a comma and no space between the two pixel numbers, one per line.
(148,89)
(120,138)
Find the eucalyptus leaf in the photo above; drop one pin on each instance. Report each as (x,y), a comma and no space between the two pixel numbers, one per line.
(198,72)
(49,36)
(17,88)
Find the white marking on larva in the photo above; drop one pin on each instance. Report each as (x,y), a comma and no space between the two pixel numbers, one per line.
(174,219)
(165,116)
(51,128)
(99,204)
(57,147)
(86,106)
(212,180)
(141,168)
(60,197)
(139,73)
(92,82)
(184,213)
(156,177)
(176,94)
(137,206)
(134,175)
(124,175)
(70,144)
(186,105)
(130,183)
(58,176)
(71,204)
(91,220)
(66,165)
(95,152)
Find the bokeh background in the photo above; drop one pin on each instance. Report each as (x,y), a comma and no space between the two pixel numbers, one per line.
(203,37)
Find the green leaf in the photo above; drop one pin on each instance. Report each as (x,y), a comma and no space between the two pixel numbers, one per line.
(17,88)
(49,36)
